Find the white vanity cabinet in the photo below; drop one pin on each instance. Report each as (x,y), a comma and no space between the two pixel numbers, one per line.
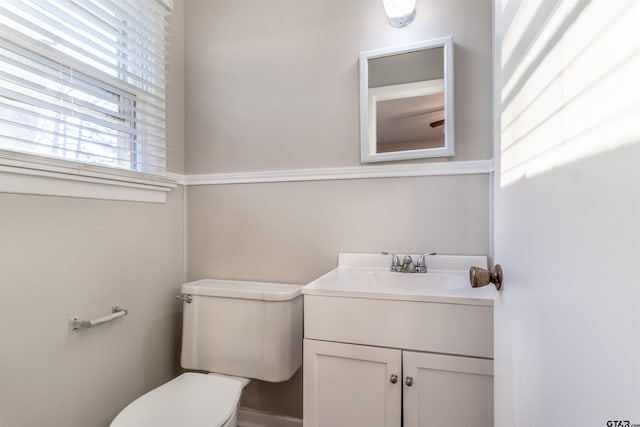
(385,349)
(347,385)
(351,385)
(446,390)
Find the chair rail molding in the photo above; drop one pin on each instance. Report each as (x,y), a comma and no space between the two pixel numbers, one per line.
(472,167)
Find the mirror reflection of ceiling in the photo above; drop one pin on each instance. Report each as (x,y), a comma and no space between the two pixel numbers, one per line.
(410,67)
(410,123)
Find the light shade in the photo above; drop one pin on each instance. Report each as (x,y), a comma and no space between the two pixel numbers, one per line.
(400,13)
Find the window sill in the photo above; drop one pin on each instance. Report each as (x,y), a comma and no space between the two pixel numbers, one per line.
(25,174)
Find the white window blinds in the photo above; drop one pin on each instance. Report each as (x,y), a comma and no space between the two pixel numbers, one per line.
(84,80)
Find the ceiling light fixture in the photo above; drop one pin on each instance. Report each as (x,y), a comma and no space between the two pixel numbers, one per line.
(400,13)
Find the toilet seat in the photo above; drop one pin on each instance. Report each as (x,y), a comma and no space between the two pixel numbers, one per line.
(190,400)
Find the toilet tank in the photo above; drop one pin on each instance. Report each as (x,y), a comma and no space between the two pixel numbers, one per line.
(246,329)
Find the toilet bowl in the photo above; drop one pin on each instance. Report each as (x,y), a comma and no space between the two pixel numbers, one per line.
(232,330)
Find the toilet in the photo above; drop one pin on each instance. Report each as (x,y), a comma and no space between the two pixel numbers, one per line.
(232,331)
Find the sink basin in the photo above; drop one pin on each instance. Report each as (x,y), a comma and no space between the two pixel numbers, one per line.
(369,276)
(418,281)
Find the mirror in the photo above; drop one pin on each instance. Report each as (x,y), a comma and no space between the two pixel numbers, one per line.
(406,102)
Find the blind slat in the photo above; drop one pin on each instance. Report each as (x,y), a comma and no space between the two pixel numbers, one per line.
(64,97)
(68,28)
(61,137)
(85,80)
(149,118)
(72,119)
(12,42)
(64,110)
(44,120)
(83,157)
(125,112)
(30,56)
(95,27)
(92,59)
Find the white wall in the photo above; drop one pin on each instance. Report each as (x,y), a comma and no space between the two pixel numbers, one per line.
(274,86)
(568,213)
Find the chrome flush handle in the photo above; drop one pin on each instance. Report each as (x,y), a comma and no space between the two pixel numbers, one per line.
(186,298)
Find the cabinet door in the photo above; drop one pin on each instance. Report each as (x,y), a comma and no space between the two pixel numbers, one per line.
(349,385)
(447,390)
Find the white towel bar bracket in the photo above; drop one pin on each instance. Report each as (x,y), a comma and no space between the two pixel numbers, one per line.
(116,312)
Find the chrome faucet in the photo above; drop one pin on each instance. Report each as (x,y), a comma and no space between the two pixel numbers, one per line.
(407,265)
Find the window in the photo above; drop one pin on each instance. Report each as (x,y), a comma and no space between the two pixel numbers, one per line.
(83,80)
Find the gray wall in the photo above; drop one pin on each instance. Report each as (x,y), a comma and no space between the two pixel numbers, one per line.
(292,232)
(63,257)
(175,89)
(274,85)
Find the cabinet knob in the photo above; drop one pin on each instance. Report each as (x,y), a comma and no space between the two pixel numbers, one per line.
(408,381)
(393,379)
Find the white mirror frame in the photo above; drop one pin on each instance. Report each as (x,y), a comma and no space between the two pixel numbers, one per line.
(368,99)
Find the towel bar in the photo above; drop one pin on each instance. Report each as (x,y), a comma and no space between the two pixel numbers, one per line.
(116,312)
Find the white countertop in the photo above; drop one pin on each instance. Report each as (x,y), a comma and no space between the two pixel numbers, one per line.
(369,276)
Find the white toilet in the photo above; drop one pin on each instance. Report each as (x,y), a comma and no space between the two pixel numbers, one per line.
(233,330)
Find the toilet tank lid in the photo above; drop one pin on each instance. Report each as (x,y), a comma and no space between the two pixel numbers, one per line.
(241,289)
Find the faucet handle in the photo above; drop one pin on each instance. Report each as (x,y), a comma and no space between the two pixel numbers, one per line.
(395,261)
(421,265)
